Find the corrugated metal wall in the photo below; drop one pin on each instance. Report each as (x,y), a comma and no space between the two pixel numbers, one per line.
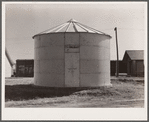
(94,60)
(72,60)
(49,60)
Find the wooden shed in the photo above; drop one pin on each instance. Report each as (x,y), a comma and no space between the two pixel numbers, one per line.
(134,60)
(122,67)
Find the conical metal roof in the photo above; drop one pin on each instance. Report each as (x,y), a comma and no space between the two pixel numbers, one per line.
(71,26)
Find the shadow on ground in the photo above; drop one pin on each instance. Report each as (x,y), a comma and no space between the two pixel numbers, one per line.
(29,91)
(127,89)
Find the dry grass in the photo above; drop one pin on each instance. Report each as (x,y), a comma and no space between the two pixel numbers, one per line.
(22,93)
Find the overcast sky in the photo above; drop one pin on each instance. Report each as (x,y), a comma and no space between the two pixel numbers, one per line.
(22,21)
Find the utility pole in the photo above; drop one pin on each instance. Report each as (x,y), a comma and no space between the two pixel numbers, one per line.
(117,62)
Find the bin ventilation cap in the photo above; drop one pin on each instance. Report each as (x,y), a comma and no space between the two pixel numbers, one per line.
(71,26)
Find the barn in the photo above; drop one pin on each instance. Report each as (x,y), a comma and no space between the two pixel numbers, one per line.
(134,59)
(72,55)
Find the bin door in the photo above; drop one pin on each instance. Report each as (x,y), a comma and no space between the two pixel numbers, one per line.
(72,69)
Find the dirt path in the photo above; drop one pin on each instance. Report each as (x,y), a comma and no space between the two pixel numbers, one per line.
(91,104)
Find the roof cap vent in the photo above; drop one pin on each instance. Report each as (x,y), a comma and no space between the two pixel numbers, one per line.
(72,20)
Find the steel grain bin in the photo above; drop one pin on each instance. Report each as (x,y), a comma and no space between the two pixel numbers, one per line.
(72,55)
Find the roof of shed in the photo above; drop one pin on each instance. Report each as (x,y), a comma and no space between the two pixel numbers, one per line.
(134,54)
(71,26)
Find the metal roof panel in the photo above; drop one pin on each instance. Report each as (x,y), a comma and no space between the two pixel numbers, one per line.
(71,26)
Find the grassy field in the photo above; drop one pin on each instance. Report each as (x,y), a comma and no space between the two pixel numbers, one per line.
(125,92)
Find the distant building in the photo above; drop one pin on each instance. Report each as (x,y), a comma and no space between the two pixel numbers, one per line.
(122,68)
(25,68)
(134,60)
(132,64)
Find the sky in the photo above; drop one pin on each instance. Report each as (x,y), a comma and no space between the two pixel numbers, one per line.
(24,20)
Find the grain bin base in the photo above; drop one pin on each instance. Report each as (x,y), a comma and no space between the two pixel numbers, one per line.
(108,85)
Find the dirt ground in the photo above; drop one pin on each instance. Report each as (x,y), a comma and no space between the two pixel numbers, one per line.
(125,92)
